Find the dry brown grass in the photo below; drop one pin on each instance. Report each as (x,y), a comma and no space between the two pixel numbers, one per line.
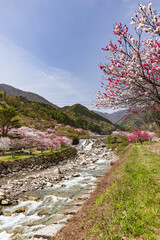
(155,148)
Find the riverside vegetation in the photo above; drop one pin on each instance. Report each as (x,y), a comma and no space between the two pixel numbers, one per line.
(129,207)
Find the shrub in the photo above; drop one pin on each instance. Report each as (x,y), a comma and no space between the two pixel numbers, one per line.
(117,143)
(110,140)
(75,141)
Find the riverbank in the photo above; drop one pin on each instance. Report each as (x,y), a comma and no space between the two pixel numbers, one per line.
(57,193)
(23,176)
(21,184)
(129,209)
(16,167)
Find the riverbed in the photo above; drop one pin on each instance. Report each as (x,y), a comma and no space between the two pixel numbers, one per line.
(56,204)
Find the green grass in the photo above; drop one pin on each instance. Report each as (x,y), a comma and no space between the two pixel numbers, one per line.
(27,155)
(130,208)
(117,143)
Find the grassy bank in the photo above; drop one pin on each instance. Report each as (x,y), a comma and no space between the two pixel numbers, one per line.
(26,154)
(129,209)
(36,162)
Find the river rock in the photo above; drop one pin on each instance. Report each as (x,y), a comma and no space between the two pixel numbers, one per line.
(49,231)
(20,183)
(72,211)
(6,202)
(43,211)
(112,162)
(63,185)
(66,178)
(76,175)
(19,210)
(2,196)
(49,184)
(56,171)
(92,167)
(31,198)
(83,163)
(95,160)
(1,212)
(7,214)
(103,145)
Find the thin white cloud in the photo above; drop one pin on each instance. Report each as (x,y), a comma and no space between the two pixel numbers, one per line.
(22,70)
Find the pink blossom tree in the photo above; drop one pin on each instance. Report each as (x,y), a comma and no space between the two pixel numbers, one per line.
(131,76)
(16,144)
(137,135)
(5,143)
(38,139)
(140,136)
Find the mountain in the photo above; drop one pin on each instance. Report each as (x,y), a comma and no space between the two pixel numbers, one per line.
(35,114)
(113,117)
(12,91)
(41,115)
(36,111)
(148,121)
(88,119)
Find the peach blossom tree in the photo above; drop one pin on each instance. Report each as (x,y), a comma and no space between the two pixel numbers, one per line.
(131,75)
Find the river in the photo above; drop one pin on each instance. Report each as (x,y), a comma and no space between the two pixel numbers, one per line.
(55,204)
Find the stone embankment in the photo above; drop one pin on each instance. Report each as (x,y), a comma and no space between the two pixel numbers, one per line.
(35,173)
(13,189)
(35,163)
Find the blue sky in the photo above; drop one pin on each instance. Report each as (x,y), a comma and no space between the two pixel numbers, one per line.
(53,47)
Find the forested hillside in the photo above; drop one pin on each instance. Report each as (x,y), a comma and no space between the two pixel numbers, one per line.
(148,121)
(89,119)
(35,114)
(12,91)
(41,115)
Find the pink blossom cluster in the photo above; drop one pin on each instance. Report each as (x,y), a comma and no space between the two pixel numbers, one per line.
(131,77)
(147,20)
(120,133)
(5,143)
(137,135)
(90,133)
(141,136)
(34,138)
(79,130)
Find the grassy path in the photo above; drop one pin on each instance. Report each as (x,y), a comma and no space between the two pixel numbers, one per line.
(130,208)
(126,203)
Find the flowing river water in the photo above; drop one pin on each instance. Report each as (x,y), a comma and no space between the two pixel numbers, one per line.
(54,204)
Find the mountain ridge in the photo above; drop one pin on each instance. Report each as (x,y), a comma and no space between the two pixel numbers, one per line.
(12,91)
(114,117)
(89,119)
(41,114)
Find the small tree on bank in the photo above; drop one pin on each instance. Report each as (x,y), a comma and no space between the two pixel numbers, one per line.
(131,77)
(8,120)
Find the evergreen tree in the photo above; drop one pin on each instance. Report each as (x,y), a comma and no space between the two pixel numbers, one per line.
(8,120)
